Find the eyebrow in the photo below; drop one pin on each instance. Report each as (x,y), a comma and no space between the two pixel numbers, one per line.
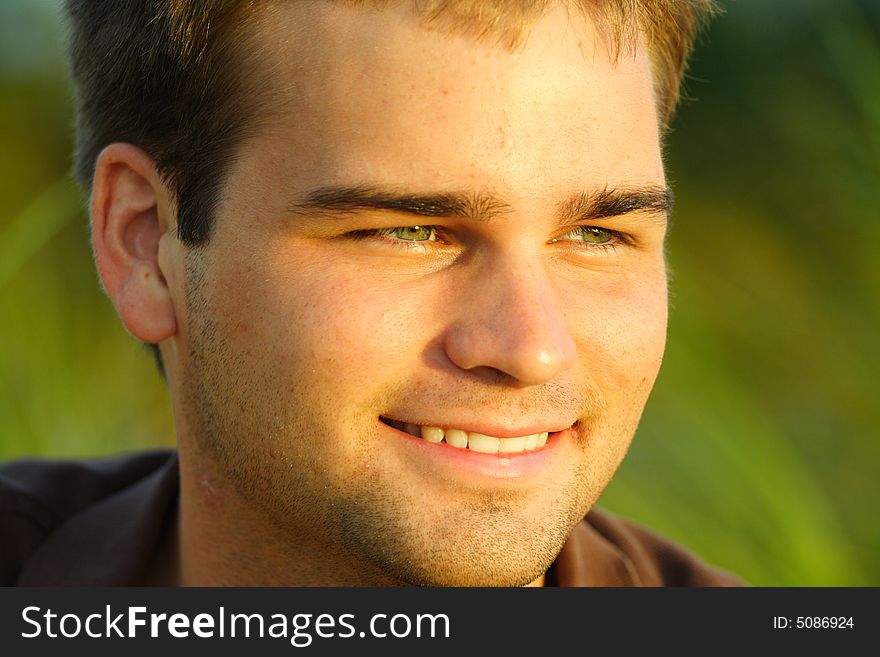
(615,203)
(584,206)
(476,206)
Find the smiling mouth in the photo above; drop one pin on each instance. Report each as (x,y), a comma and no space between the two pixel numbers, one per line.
(471,440)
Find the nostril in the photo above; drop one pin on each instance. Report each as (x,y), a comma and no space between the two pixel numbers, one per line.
(519,349)
(492,375)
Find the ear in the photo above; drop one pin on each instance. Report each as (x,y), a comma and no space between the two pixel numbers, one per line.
(131,213)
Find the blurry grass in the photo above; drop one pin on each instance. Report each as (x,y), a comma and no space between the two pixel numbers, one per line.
(847,37)
(760,447)
(32,229)
(73,382)
(713,459)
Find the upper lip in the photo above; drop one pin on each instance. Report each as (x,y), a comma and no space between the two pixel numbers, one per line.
(498,430)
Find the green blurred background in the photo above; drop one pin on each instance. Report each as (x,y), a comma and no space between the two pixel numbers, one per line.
(759,448)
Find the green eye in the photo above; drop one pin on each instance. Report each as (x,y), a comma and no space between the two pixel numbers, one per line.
(591,235)
(413,233)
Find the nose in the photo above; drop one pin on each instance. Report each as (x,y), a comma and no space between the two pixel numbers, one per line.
(512,323)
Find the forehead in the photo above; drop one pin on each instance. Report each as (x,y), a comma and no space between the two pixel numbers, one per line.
(374,95)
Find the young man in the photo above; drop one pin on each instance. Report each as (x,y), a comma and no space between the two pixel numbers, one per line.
(404,265)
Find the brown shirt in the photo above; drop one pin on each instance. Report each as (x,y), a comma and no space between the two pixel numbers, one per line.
(101,523)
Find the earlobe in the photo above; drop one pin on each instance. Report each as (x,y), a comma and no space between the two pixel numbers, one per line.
(130,214)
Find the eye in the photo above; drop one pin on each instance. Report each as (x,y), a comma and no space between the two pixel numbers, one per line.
(590,235)
(405,237)
(410,233)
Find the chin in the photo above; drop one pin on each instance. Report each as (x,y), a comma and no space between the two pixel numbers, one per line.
(489,576)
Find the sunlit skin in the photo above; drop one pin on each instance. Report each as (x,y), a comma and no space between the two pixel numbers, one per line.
(302,323)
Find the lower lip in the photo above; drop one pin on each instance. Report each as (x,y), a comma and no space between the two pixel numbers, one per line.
(466,462)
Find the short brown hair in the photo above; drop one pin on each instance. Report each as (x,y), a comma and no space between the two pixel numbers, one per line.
(169,75)
(166,76)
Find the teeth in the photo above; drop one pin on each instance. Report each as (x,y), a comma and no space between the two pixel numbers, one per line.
(481,443)
(432,434)
(477,442)
(512,445)
(456,438)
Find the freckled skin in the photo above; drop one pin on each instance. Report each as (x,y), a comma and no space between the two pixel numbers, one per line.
(297,338)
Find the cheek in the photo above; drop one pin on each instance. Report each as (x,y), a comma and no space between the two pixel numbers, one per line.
(323,325)
(621,332)
(620,344)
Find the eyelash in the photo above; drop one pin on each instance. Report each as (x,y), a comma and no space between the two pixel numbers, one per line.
(385,235)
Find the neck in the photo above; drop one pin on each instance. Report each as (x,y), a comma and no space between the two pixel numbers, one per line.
(223,540)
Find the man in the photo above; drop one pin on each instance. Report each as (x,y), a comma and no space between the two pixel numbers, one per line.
(404,265)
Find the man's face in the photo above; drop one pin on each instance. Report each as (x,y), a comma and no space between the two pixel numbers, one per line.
(413,241)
